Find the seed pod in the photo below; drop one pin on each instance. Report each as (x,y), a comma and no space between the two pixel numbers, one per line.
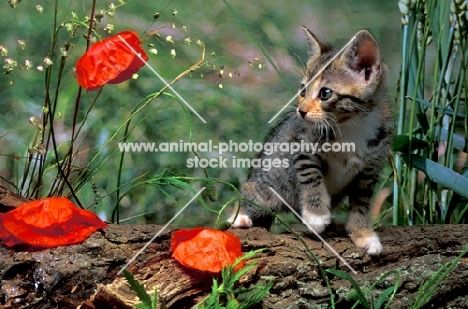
(462,22)
(463,6)
(429,40)
(453,7)
(457,34)
(420,35)
(210,190)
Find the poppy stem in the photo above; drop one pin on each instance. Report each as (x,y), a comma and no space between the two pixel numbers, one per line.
(91,24)
(78,96)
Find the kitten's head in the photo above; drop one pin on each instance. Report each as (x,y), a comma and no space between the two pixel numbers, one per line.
(341,86)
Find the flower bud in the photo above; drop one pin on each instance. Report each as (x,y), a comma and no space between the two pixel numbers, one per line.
(14,3)
(48,61)
(41,149)
(170,39)
(3,51)
(21,44)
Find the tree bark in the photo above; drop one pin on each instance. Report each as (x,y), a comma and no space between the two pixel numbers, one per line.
(86,274)
(10,200)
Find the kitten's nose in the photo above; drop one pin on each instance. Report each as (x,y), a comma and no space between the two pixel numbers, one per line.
(311,116)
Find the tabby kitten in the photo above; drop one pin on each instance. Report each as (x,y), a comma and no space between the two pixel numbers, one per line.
(345,103)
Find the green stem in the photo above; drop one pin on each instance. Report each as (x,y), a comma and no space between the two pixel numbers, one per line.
(80,89)
(400,124)
(260,47)
(140,106)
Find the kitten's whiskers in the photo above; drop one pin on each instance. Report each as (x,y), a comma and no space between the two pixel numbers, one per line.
(362,108)
(335,125)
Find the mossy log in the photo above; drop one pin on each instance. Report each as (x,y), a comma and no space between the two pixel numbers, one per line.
(85,275)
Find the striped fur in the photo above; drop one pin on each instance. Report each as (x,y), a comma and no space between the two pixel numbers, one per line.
(347,102)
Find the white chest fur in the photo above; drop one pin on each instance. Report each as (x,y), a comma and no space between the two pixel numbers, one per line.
(342,166)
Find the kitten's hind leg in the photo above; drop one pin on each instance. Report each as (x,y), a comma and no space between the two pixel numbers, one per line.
(358,226)
(250,215)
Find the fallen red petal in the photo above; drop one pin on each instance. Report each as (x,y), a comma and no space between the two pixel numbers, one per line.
(49,222)
(8,238)
(206,249)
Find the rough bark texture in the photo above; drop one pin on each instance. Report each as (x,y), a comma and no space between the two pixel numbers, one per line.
(86,274)
(10,200)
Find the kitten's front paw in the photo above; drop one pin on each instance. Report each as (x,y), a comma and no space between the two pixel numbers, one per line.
(370,243)
(318,223)
(242,221)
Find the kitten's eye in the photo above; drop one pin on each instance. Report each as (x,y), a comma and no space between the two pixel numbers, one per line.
(325,94)
(302,90)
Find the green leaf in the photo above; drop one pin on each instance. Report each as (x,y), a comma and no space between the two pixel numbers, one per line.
(440,174)
(155,300)
(383,296)
(344,275)
(138,289)
(401,143)
(426,290)
(257,296)
(459,141)
(232,304)
(444,110)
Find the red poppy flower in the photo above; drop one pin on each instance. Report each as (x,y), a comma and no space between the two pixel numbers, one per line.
(50,222)
(110,61)
(206,249)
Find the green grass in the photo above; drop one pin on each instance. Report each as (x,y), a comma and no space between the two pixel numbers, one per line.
(430,143)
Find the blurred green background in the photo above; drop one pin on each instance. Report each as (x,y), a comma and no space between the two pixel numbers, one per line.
(236,108)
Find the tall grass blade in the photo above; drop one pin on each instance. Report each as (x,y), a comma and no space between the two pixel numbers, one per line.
(440,174)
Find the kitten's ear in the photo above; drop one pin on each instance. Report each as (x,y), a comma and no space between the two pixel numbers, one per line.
(316,46)
(363,57)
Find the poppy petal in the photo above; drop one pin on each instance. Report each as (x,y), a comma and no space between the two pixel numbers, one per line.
(50,222)
(110,61)
(8,238)
(206,249)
